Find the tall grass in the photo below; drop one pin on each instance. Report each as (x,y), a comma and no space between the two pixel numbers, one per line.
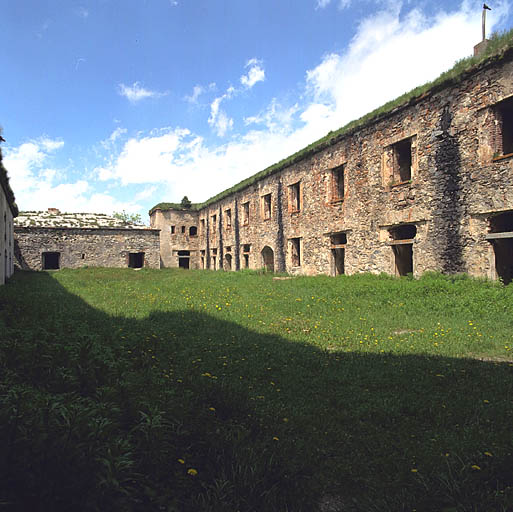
(175,390)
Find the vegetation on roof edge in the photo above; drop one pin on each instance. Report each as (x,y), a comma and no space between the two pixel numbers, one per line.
(4,183)
(499,46)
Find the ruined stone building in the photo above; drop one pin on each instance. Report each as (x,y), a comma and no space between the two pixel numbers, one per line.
(425,183)
(51,240)
(8,210)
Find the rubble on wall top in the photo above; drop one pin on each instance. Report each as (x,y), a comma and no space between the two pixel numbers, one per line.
(55,219)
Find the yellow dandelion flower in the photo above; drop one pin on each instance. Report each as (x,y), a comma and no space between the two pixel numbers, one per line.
(192,472)
(488,454)
(275,438)
(475,467)
(181,461)
(211,408)
(413,470)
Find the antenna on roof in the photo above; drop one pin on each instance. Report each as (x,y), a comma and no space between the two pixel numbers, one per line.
(485,8)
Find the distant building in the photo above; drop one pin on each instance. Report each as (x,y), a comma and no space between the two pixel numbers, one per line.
(52,240)
(8,210)
(423,183)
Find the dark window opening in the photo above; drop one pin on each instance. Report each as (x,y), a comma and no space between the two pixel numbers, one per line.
(502,223)
(338,183)
(400,161)
(228,249)
(214,221)
(246,260)
(193,231)
(295,197)
(172,230)
(202,259)
(338,239)
(202,226)
(505,114)
(51,260)
(136,260)
(246,248)
(266,206)
(183,229)
(403,232)
(228,215)
(245,214)
(295,251)
(82,256)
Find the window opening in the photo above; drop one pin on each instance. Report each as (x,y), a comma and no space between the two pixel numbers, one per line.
(193,231)
(294,197)
(51,260)
(266,206)
(245,214)
(228,215)
(246,248)
(295,252)
(183,229)
(338,183)
(505,114)
(172,230)
(202,226)
(136,260)
(202,254)
(246,260)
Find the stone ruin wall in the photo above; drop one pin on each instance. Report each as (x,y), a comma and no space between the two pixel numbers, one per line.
(85,247)
(6,238)
(458,182)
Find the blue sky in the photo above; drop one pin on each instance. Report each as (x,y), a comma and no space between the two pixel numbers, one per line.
(110,105)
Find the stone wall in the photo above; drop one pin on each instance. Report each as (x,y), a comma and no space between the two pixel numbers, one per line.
(6,238)
(417,189)
(80,247)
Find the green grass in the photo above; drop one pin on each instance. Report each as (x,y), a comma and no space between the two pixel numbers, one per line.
(361,393)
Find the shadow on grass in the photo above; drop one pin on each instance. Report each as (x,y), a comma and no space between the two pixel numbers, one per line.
(183,411)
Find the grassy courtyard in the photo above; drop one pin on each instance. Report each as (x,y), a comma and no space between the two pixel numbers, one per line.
(208,391)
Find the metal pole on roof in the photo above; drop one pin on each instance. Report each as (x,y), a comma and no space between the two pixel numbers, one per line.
(485,8)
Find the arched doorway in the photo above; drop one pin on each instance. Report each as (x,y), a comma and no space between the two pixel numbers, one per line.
(268,258)
(228,261)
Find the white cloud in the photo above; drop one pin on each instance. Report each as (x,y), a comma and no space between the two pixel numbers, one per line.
(35,183)
(321,4)
(254,75)
(197,91)
(113,137)
(135,92)
(218,119)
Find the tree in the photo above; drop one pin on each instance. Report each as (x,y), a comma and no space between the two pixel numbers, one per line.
(128,218)
(186,203)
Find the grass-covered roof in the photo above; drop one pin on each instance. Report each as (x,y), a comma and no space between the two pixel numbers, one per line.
(500,47)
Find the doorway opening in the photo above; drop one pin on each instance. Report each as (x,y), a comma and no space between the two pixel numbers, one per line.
(136,260)
(268,258)
(338,248)
(184,258)
(51,260)
(402,245)
(501,237)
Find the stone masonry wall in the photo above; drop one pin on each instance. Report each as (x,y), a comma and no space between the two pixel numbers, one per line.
(458,180)
(6,239)
(85,247)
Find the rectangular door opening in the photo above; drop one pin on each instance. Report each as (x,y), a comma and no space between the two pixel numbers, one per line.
(51,260)
(136,260)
